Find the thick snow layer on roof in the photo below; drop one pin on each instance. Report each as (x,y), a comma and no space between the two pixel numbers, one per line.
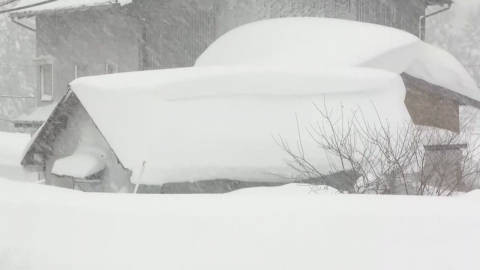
(41,114)
(313,43)
(195,124)
(439,67)
(61,5)
(83,163)
(52,228)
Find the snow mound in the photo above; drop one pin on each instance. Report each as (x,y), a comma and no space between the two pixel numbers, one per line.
(475,194)
(83,163)
(285,190)
(54,228)
(12,146)
(193,124)
(312,43)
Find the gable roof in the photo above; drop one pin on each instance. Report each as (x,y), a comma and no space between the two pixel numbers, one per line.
(35,7)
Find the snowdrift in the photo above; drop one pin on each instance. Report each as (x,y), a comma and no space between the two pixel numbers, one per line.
(231,231)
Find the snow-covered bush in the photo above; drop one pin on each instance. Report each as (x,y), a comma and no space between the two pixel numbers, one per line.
(387,159)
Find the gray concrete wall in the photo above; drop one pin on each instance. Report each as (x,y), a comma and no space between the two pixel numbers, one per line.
(401,14)
(88,39)
(177,32)
(234,13)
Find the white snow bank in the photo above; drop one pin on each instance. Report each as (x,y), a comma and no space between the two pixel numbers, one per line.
(83,163)
(61,5)
(474,194)
(195,124)
(53,228)
(285,190)
(11,153)
(314,43)
(12,146)
(41,114)
(439,67)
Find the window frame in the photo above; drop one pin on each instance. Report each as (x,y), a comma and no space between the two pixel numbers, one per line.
(43,95)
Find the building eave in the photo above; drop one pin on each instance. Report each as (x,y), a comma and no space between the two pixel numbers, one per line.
(28,13)
(435,89)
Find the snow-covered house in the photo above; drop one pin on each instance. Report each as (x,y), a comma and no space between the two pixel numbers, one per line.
(78,38)
(216,120)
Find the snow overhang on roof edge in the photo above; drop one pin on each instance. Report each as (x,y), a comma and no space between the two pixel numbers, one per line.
(51,8)
(438,2)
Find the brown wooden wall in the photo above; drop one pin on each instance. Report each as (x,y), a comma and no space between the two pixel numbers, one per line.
(428,106)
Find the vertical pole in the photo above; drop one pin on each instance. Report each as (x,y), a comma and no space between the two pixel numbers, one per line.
(139,178)
(136,188)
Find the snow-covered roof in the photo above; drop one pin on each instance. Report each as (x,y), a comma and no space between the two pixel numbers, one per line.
(39,115)
(312,43)
(235,232)
(60,5)
(439,67)
(83,163)
(201,123)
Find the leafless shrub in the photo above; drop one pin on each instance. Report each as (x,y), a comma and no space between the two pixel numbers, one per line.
(375,157)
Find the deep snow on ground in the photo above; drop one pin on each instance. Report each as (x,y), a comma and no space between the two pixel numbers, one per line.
(50,228)
(293,189)
(12,146)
